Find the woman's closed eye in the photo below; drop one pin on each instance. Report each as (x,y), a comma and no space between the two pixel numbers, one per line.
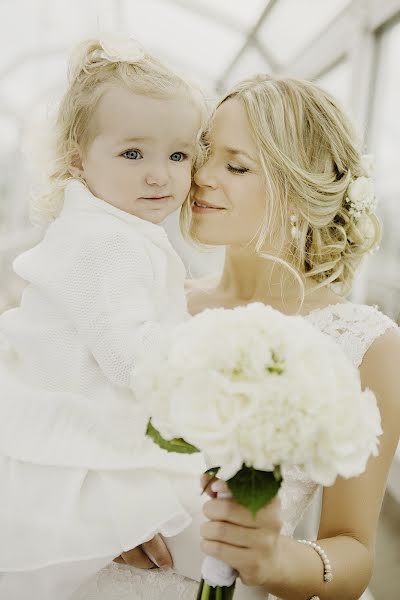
(238,170)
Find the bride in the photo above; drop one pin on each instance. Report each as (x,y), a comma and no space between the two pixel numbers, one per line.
(275,190)
(286,190)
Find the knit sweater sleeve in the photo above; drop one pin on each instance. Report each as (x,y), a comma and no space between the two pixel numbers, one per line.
(104,284)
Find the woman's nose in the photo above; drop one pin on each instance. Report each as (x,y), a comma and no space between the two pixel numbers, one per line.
(203,176)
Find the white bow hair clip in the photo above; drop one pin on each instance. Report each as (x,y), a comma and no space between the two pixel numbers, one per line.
(120,48)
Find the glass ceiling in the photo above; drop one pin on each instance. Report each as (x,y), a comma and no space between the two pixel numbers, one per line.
(291,25)
(214,42)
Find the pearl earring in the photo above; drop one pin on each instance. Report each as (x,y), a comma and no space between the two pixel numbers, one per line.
(77,174)
(294,232)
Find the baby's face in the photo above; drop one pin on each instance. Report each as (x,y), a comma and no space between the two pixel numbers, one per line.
(141,155)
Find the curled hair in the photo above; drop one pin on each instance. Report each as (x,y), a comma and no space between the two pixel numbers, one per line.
(89,77)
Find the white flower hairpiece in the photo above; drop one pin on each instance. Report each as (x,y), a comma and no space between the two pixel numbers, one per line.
(361,193)
(120,48)
(367,165)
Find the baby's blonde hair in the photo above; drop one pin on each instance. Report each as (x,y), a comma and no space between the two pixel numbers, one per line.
(309,155)
(90,76)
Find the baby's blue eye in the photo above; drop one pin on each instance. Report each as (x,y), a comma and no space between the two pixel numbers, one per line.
(132,154)
(178,156)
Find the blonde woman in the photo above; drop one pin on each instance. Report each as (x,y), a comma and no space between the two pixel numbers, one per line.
(287,190)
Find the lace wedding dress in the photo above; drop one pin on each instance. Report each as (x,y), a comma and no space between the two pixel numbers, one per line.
(354,327)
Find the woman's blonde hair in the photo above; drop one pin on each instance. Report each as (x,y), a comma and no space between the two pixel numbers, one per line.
(90,75)
(309,155)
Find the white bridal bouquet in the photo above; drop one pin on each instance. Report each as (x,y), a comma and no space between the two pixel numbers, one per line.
(255,390)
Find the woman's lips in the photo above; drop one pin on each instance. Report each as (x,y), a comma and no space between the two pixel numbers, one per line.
(200,207)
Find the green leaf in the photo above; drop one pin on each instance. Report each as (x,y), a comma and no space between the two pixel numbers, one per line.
(254,489)
(175,445)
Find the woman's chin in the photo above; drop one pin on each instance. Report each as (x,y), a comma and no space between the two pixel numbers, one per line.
(205,237)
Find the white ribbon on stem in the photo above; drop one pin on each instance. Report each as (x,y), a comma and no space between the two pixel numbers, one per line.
(214,571)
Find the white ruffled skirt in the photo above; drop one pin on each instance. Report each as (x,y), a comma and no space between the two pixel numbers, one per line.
(78,489)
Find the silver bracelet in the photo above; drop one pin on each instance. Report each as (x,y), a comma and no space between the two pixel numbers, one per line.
(328,575)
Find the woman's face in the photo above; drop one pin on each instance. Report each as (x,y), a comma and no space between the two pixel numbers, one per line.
(229,193)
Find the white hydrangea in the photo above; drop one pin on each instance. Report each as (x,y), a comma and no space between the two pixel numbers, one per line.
(252,386)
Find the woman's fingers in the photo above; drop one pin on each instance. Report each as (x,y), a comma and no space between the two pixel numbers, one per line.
(206,482)
(238,558)
(157,550)
(232,512)
(219,486)
(252,565)
(220,531)
(212,485)
(220,509)
(243,541)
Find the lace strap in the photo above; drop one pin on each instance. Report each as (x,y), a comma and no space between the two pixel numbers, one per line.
(354,326)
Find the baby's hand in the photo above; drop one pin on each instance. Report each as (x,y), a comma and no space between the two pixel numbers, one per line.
(150,555)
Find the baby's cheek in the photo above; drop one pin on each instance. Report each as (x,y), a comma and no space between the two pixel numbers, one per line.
(184,181)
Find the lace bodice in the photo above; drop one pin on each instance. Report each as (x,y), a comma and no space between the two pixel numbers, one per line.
(354,327)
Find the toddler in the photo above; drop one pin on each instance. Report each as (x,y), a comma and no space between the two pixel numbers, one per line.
(80,483)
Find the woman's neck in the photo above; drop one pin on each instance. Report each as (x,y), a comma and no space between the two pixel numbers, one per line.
(247,278)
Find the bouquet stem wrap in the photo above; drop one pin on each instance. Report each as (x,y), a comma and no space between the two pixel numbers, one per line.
(216,572)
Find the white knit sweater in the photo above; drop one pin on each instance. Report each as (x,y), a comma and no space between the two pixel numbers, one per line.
(101,283)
